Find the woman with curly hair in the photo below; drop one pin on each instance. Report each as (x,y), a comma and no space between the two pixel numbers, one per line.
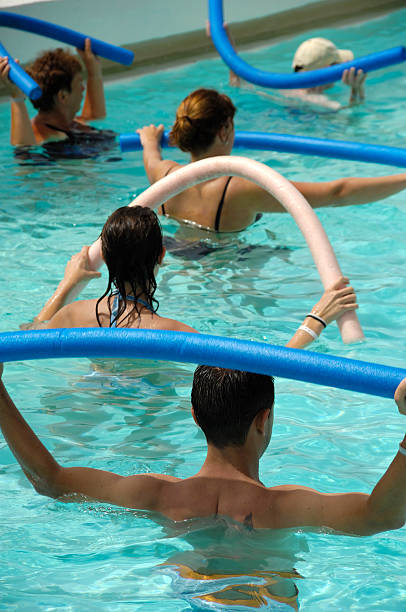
(60,76)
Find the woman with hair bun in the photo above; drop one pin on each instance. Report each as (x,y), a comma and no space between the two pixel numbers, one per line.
(204,127)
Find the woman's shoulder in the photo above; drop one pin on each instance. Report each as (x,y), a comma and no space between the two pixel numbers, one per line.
(46,133)
(77,314)
(168,166)
(172,325)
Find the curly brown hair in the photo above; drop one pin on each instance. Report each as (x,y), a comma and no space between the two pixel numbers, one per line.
(53,71)
(199,118)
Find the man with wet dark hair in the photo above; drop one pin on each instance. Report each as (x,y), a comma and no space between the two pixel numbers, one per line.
(225,402)
(235,411)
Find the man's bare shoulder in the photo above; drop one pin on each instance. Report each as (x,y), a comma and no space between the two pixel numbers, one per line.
(158,477)
(292,495)
(286,506)
(292,488)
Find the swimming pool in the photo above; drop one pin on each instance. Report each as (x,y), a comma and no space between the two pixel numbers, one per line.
(130,418)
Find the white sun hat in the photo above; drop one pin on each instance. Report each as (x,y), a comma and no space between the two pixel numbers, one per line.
(317,53)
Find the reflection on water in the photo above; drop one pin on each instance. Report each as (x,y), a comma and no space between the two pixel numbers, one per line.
(79,145)
(136,418)
(231,566)
(193,243)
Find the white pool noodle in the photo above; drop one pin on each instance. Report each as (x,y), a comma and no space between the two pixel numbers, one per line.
(275,184)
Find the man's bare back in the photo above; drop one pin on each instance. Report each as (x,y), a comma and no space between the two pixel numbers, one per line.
(235,411)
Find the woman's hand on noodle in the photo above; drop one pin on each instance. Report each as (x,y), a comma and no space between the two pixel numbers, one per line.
(400,396)
(78,269)
(151,133)
(336,300)
(12,89)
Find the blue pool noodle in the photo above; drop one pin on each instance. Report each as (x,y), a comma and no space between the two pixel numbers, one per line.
(18,76)
(61,34)
(65,35)
(295,80)
(261,141)
(360,376)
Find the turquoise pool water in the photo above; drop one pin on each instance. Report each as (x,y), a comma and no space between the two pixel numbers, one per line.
(134,417)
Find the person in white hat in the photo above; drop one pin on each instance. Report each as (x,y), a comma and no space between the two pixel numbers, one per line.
(316,53)
(312,54)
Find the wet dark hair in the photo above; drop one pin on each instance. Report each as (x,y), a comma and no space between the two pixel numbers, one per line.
(53,71)
(226,401)
(199,118)
(131,247)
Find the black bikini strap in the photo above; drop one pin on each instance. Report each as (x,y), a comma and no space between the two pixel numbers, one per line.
(58,129)
(166,174)
(220,207)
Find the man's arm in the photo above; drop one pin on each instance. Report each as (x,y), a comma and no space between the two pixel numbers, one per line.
(155,166)
(95,104)
(355,513)
(335,301)
(21,133)
(71,484)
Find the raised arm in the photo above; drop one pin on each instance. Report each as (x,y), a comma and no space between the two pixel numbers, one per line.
(49,478)
(77,272)
(155,166)
(340,192)
(21,133)
(234,79)
(354,513)
(351,190)
(335,301)
(94,106)
(385,507)
(355,79)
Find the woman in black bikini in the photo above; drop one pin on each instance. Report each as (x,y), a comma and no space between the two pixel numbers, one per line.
(204,127)
(59,74)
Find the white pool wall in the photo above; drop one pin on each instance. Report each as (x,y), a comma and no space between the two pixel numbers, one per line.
(165,31)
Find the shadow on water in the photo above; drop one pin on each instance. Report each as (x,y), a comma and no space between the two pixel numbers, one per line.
(231,566)
(80,145)
(193,244)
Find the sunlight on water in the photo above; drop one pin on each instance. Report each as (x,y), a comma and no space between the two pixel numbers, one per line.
(134,417)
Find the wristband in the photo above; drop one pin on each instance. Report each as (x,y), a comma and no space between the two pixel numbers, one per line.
(317,318)
(402,450)
(309,331)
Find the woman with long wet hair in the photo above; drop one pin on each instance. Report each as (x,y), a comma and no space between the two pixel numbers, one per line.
(133,251)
